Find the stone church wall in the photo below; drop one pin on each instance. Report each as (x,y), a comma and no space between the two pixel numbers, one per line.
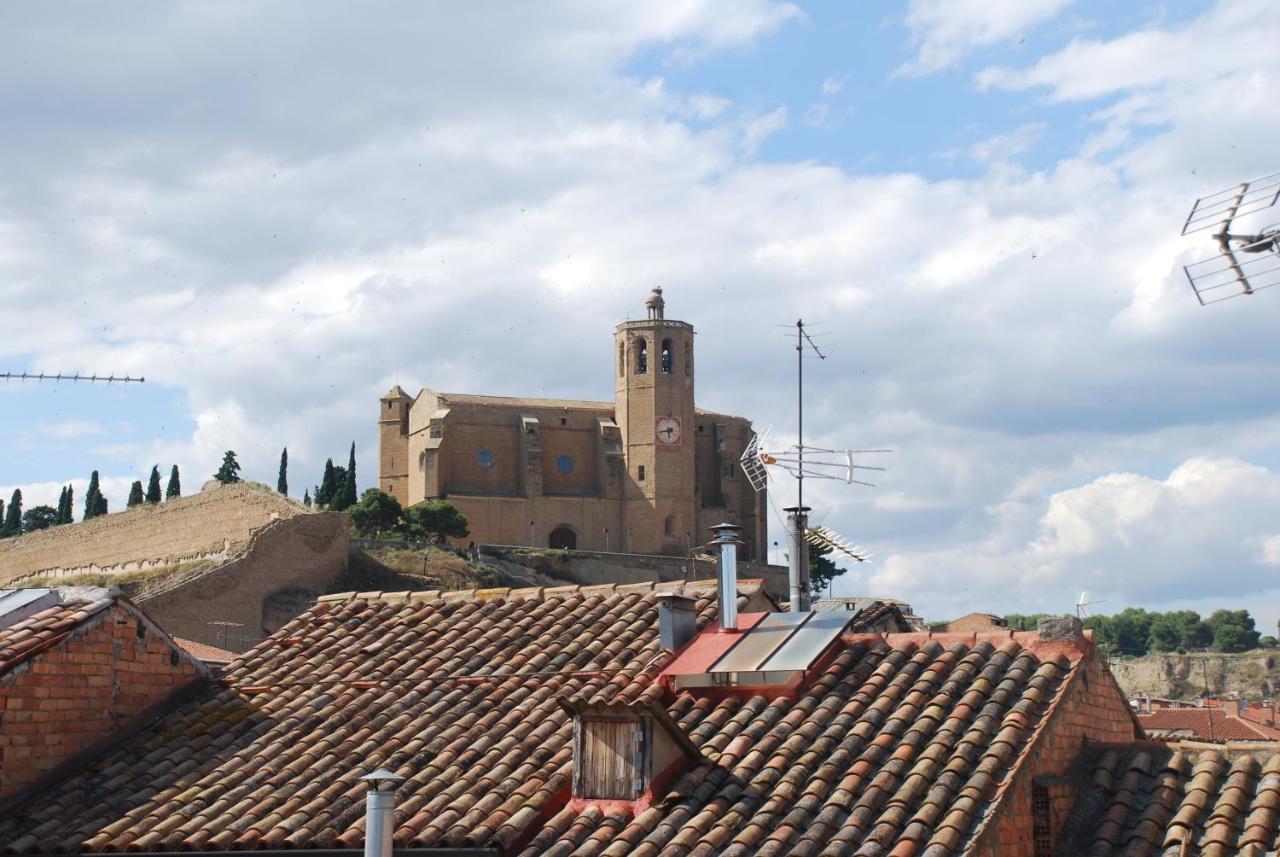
(215,523)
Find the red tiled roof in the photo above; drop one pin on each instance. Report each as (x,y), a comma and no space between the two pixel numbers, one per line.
(205,652)
(1206,724)
(29,637)
(903,740)
(1150,800)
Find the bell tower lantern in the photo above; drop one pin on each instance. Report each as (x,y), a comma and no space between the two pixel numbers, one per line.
(654,408)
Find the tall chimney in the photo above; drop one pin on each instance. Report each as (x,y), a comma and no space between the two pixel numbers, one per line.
(798,557)
(726,536)
(379,812)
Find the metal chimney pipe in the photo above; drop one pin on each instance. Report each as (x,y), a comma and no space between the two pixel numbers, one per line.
(379,812)
(798,557)
(726,537)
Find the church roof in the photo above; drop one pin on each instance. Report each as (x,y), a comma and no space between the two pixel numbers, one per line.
(525,401)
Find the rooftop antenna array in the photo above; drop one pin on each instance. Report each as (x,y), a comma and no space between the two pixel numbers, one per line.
(1082,605)
(1247,262)
(59,376)
(820,464)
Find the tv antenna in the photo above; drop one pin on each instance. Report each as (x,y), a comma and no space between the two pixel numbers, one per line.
(76,377)
(1247,262)
(1082,605)
(820,463)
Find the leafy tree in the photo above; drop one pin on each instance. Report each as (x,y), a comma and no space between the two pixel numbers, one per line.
(306,498)
(345,493)
(12,525)
(94,503)
(376,513)
(1178,630)
(282,480)
(153,485)
(1233,631)
(434,520)
(230,470)
(69,514)
(174,488)
(1268,642)
(325,490)
(39,518)
(1024,622)
(136,497)
(822,570)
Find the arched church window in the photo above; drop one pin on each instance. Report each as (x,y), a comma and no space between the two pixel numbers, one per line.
(622,359)
(688,359)
(667,357)
(642,356)
(669,526)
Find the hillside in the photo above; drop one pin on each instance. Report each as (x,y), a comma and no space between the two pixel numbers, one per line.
(1253,675)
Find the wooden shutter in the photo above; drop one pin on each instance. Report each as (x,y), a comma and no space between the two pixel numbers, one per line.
(611,761)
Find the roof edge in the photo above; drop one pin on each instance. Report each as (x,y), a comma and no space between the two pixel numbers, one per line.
(746,586)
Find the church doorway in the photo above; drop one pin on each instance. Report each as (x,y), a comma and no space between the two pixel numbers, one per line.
(563,538)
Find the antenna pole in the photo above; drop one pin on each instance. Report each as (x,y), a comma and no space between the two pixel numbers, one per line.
(800,411)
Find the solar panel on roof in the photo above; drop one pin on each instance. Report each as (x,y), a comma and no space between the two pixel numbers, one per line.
(759,643)
(808,642)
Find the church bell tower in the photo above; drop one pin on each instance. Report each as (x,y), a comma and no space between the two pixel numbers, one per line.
(654,411)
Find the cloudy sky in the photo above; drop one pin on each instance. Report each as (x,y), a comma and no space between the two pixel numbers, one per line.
(275,211)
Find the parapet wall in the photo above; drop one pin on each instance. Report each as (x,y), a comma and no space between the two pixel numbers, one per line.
(214,524)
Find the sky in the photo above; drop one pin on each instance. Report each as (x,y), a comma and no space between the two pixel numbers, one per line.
(274,212)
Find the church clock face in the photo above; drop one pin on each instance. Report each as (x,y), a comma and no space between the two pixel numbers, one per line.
(667,430)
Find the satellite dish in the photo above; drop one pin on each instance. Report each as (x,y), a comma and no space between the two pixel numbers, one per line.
(1246,262)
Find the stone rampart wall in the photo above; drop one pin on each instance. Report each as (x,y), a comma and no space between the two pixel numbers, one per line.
(215,523)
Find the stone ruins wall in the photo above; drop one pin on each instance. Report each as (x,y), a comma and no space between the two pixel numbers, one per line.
(213,524)
(282,570)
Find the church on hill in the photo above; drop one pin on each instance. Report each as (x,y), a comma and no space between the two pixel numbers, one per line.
(648,472)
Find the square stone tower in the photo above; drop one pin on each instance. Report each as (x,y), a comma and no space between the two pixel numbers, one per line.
(654,410)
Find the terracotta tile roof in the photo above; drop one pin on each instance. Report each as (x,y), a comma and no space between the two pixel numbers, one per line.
(29,637)
(1148,799)
(205,652)
(900,742)
(1205,724)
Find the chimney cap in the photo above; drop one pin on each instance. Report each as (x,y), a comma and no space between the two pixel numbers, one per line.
(382,775)
(725,532)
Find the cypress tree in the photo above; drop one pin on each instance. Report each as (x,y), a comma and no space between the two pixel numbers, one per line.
(13,515)
(153,485)
(306,498)
(1,519)
(62,506)
(282,481)
(174,488)
(324,493)
(136,497)
(69,513)
(347,490)
(92,506)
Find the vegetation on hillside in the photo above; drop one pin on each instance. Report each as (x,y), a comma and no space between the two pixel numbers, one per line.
(378,515)
(1135,631)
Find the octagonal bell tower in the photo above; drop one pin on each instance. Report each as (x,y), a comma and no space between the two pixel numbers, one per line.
(654,409)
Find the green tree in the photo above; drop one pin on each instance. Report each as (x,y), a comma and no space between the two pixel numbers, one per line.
(94,503)
(230,470)
(1024,622)
(12,525)
(434,521)
(345,490)
(69,515)
(376,514)
(39,518)
(1,519)
(136,495)
(282,479)
(174,488)
(1268,642)
(325,490)
(822,570)
(62,506)
(1233,631)
(153,485)
(306,498)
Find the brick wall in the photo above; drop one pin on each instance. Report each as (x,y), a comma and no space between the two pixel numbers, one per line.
(114,666)
(1089,708)
(215,522)
(580,444)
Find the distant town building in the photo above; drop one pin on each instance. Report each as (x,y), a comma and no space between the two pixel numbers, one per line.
(646,473)
(972,623)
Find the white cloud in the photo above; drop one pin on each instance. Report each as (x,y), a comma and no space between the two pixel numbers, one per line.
(832,85)
(69,429)
(946,31)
